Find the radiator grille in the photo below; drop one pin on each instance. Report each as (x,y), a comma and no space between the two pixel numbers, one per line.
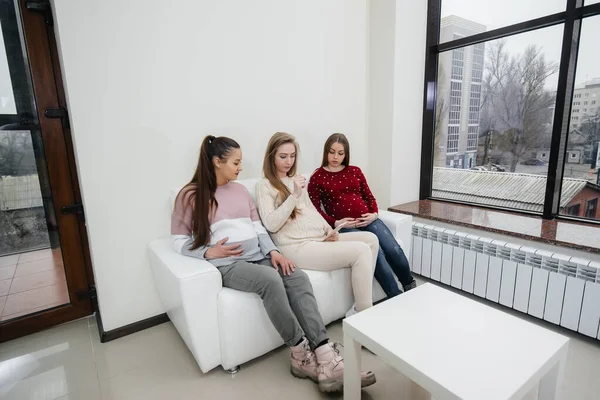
(518,256)
(559,288)
(503,253)
(454,241)
(489,249)
(533,260)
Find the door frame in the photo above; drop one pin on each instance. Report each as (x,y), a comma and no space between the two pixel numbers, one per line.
(44,67)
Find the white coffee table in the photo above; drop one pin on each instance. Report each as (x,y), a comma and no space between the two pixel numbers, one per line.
(455,347)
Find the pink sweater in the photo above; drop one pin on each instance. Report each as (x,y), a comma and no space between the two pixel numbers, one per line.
(236,218)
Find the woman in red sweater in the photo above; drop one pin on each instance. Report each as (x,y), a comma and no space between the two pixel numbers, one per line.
(341,194)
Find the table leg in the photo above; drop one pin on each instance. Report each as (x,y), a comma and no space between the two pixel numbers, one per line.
(552,381)
(352,359)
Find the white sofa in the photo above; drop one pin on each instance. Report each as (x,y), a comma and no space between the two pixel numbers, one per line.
(226,327)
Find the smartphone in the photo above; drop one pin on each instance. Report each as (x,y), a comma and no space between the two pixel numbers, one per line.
(337,229)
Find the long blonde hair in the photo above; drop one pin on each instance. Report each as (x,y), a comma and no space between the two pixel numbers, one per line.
(270,170)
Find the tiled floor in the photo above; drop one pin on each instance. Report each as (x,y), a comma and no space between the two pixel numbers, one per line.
(31,282)
(69,362)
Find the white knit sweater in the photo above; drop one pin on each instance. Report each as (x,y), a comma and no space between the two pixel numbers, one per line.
(308,225)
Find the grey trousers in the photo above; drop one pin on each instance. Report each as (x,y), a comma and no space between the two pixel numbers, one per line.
(288,300)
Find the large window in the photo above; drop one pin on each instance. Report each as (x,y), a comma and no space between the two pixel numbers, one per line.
(514,121)
(497,14)
(581,166)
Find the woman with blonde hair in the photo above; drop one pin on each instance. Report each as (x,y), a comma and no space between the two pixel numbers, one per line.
(303,236)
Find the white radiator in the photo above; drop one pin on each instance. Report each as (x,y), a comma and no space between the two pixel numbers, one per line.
(555,287)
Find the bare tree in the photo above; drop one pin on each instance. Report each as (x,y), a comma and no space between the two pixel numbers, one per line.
(519,102)
(16,153)
(441,110)
(590,128)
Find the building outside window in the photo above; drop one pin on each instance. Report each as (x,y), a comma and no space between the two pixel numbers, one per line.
(497,101)
(462,76)
(574,210)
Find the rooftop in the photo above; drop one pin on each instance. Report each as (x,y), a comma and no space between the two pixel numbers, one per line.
(502,189)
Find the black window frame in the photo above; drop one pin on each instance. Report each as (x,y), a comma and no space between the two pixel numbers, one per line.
(571,19)
(591,206)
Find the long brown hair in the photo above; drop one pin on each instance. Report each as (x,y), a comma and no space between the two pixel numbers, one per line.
(270,170)
(203,185)
(336,138)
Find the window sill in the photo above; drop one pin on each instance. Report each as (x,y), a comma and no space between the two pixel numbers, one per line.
(575,235)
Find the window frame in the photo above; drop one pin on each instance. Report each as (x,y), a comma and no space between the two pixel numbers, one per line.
(591,205)
(571,210)
(571,19)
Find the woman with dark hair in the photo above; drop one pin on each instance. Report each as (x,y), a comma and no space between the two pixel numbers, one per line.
(215,219)
(341,194)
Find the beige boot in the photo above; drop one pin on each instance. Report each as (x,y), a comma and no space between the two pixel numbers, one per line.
(304,362)
(331,369)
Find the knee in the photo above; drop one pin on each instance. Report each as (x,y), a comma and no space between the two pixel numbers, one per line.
(380,230)
(271,279)
(364,249)
(299,279)
(300,275)
(372,240)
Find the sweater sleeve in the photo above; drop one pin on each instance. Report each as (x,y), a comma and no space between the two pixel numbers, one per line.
(314,192)
(365,192)
(264,240)
(273,217)
(181,228)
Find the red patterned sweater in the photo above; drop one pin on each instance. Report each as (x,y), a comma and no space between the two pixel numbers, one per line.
(343,194)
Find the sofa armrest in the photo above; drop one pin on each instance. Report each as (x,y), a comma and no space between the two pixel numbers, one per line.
(401,227)
(188,288)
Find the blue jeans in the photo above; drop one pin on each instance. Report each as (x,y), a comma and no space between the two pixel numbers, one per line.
(390,260)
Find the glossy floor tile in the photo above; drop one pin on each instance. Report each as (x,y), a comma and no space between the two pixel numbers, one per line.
(69,363)
(5,287)
(37,282)
(7,272)
(34,300)
(9,260)
(35,255)
(36,266)
(131,352)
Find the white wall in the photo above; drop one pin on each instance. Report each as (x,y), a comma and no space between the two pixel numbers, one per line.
(411,29)
(397,37)
(147,79)
(382,42)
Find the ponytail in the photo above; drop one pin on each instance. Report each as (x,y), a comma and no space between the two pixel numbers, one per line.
(203,185)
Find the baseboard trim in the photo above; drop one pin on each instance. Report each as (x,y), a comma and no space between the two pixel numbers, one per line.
(107,336)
